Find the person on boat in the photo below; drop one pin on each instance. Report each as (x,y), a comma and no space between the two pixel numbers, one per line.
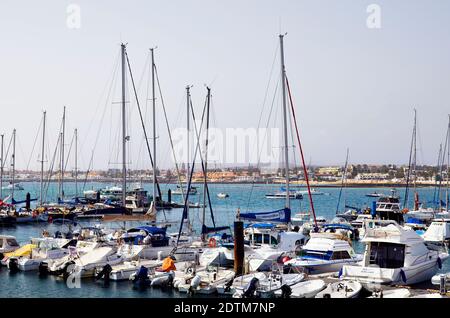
(168,265)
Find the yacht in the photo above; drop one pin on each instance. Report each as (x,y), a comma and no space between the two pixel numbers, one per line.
(222,195)
(394,255)
(179,190)
(296,195)
(388,208)
(324,253)
(15,187)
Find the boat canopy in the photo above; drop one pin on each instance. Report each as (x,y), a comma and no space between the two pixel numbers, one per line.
(153,230)
(206,229)
(338,226)
(282,216)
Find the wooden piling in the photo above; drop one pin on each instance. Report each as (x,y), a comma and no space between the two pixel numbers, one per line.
(239,248)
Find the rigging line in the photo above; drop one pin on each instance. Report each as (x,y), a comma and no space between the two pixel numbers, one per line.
(105,88)
(50,170)
(186,200)
(34,144)
(5,159)
(305,170)
(68,152)
(264,139)
(441,168)
(142,123)
(169,132)
(198,135)
(344,176)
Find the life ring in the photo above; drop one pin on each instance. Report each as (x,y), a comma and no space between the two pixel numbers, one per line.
(212,242)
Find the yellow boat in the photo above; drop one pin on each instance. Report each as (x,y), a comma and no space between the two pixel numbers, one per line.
(22,251)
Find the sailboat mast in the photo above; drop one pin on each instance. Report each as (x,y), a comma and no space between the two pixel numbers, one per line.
(13,163)
(1,167)
(41,195)
(188,102)
(76,162)
(448,163)
(205,176)
(154,128)
(285,125)
(415,151)
(124,133)
(62,152)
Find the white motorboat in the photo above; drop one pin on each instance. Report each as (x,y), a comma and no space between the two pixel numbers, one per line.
(180,190)
(324,253)
(203,281)
(268,285)
(86,265)
(438,231)
(394,255)
(126,269)
(391,293)
(15,186)
(46,249)
(8,244)
(222,195)
(306,289)
(296,195)
(342,289)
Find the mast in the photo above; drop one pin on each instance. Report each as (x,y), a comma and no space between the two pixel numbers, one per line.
(416,203)
(285,129)
(448,163)
(13,163)
(205,171)
(154,128)
(344,177)
(124,133)
(1,167)
(62,152)
(188,100)
(41,196)
(76,162)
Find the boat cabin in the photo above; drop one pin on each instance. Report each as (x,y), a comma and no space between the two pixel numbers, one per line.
(8,243)
(151,235)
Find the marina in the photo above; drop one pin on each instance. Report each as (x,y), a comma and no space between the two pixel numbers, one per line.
(201,152)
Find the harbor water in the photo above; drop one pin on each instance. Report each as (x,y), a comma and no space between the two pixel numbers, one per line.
(245,197)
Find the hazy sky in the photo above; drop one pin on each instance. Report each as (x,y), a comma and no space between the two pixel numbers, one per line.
(353,86)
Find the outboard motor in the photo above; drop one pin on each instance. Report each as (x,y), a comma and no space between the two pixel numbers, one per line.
(141,278)
(105,274)
(43,269)
(228,285)
(13,265)
(67,269)
(286,291)
(250,290)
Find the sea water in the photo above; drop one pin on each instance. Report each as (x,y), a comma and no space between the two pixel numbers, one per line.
(245,197)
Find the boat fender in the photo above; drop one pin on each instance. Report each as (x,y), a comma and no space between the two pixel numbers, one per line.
(340,273)
(286,291)
(403,275)
(43,268)
(250,290)
(439,262)
(212,242)
(13,264)
(195,282)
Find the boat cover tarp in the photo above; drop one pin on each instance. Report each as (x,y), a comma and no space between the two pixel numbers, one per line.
(153,230)
(206,229)
(21,251)
(282,216)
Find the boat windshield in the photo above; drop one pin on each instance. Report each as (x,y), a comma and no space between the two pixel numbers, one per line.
(310,254)
(387,255)
(259,238)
